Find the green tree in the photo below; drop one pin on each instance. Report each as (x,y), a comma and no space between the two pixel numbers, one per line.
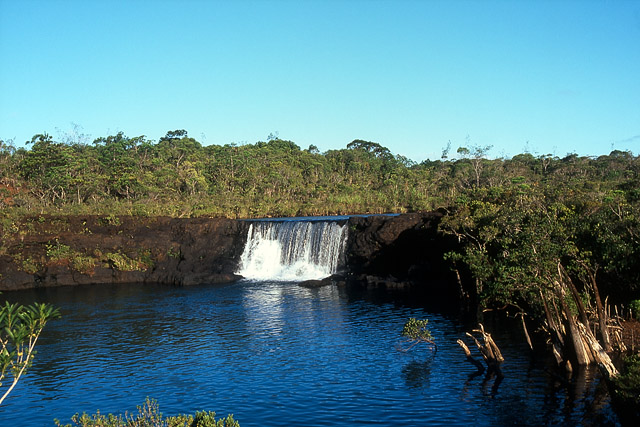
(7,150)
(477,158)
(48,167)
(182,158)
(124,165)
(8,174)
(523,249)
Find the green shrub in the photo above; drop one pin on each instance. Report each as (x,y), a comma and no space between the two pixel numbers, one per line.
(78,261)
(122,262)
(149,415)
(59,252)
(83,264)
(626,387)
(174,253)
(110,219)
(30,266)
(208,419)
(145,258)
(415,331)
(634,306)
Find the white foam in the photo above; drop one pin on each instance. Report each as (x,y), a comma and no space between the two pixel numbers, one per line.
(292,250)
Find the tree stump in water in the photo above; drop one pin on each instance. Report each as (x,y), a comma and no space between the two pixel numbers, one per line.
(488,349)
(470,358)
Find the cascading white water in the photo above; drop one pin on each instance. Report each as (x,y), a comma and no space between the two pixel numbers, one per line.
(292,250)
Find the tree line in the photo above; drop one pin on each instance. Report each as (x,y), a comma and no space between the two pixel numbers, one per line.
(178,176)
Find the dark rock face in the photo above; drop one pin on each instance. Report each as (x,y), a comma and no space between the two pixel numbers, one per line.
(400,251)
(382,251)
(170,250)
(334,280)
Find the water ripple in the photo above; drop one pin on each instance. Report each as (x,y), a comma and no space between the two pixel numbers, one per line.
(272,354)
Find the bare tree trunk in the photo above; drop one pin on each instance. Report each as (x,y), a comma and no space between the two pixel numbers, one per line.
(489,350)
(526,332)
(580,348)
(470,358)
(566,280)
(463,293)
(599,354)
(557,339)
(602,314)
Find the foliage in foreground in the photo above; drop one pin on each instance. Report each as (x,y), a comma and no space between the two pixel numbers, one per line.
(20,328)
(415,331)
(628,382)
(627,389)
(149,415)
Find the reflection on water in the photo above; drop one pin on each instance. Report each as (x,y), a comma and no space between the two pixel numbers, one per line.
(417,374)
(277,354)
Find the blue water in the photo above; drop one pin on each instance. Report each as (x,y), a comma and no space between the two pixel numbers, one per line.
(276,354)
(336,218)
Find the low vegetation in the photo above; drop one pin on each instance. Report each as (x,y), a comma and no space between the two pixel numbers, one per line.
(626,394)
(149,415)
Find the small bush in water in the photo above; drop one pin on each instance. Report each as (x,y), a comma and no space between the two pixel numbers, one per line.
(415,331)
(149,415)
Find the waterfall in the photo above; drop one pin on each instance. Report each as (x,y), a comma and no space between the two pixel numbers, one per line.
(292,250)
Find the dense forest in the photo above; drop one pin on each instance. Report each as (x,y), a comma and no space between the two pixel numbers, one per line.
(178,176)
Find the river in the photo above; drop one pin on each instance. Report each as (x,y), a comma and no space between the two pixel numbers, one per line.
(275,354)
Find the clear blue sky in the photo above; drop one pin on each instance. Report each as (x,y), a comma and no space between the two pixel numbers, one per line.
(547,77)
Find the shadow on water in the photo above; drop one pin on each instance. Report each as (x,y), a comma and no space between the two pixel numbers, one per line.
(417,374)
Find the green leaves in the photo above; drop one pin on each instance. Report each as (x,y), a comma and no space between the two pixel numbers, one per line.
(514,236)
(628,384)
(416,332)
(20,328)
(149,415)
(415,329)
(178,176)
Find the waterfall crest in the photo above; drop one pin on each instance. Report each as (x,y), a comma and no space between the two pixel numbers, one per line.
(292,250)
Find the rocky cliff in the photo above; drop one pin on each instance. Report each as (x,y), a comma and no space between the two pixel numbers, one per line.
(73,250)
(60,251)
(400,251)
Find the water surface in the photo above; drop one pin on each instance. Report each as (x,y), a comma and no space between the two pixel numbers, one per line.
(275,354)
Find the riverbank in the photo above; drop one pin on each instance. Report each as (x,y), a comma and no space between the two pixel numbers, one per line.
(45,251)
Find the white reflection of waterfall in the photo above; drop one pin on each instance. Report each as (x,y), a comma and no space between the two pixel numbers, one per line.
(292,250)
